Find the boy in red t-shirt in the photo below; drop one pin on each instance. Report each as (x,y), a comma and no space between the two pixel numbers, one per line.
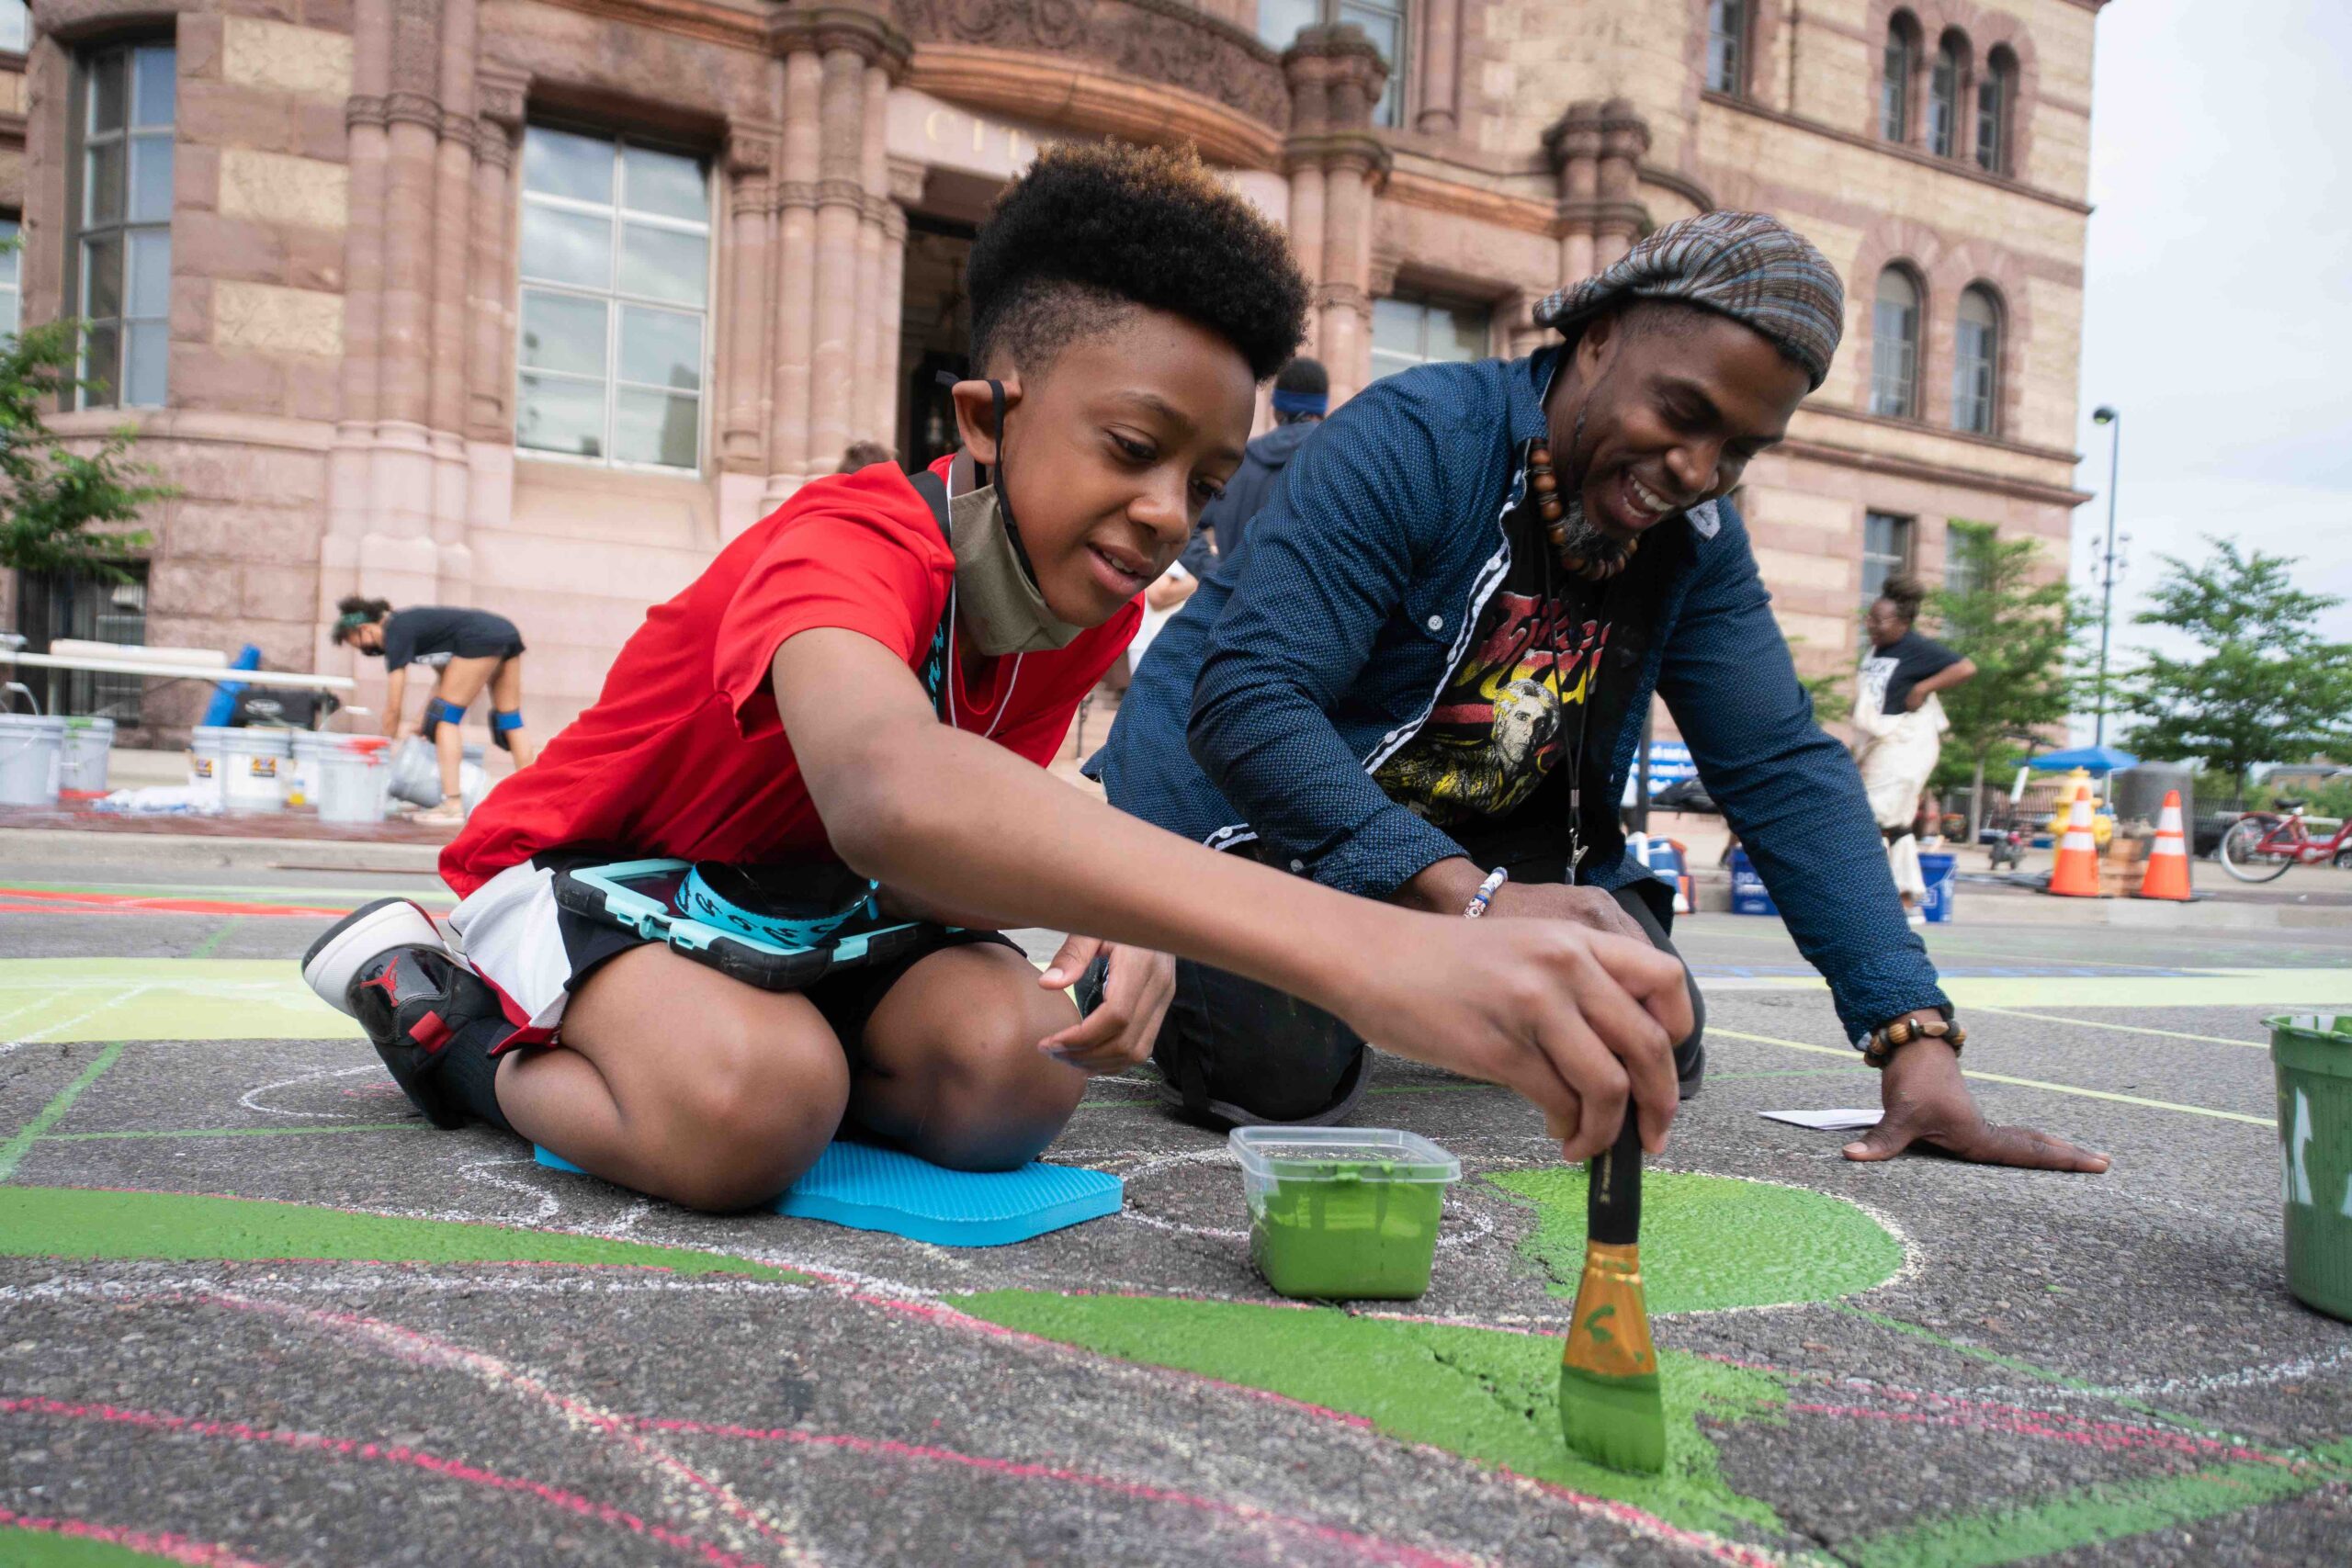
(1125,306)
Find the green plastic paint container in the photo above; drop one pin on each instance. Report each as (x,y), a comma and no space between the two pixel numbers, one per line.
(1343,1213)
(2313,1055)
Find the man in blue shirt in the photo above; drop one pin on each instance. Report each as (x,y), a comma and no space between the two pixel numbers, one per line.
(1426,681)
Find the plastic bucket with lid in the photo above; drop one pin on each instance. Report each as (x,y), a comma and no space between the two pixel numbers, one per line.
(302,786)
(1343,1213)
(350,784)
(89,744)
(32,751)
(2311,1054)
(244,769)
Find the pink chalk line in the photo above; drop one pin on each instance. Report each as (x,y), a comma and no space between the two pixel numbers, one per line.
(171,1547)
(1366,1548)
(389,1453)
(423,1349)
(1625,1514)
(2109,1436)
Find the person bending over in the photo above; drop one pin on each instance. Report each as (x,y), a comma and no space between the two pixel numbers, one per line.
(1126,304)
(467,650)
(1432,666)
(1899,725)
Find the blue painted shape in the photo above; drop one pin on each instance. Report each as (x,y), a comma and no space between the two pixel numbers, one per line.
(868,1188)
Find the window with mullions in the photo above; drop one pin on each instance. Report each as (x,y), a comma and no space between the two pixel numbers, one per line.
(1994,90)
(1976,362)
(1943,98)
(1894,345)
(1902,57)
(1382,21)
(1407,332)
(616,292)
(11,273)
(1886,551)
(1728,45)
(121,245)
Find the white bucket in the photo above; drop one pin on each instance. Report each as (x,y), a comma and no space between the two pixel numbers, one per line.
(309,745)
(88,743)
(350,785)
(244,769)
(32,751)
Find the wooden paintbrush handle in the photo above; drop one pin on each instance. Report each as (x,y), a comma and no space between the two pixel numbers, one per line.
(1613,1199)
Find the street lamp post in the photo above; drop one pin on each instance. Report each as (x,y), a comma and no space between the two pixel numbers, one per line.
(2107,417)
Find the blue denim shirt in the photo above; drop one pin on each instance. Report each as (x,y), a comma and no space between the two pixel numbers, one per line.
(1296,671)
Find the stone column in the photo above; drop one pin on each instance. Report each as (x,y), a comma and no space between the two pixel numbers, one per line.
(743,347)
(1336,165)
(1440,68)
(490,386)
(882,406)
(841,121)
(1574,143)
(874,177)
(1620,219)
(348,465)
(446,345)
(796,303)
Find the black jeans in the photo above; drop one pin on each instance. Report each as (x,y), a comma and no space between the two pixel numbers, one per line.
(1235,1051)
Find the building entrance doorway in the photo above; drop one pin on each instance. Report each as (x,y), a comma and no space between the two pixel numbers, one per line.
(934,336)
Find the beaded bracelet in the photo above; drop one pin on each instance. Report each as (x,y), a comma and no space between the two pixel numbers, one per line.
(1485,894)
(1887,1039)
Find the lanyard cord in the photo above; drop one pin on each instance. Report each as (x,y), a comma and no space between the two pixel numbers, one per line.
(948,682)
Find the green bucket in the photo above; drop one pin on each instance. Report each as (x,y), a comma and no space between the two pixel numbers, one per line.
(2313,1054)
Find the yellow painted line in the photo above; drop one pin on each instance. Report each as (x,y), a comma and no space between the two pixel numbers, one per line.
(2124,1028)
(2257,990)
(1713,1032)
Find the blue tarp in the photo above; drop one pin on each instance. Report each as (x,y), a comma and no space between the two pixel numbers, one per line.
(2094,759)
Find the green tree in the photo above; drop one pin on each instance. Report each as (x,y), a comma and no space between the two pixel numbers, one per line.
(2264,686)
(62,510)
(1831,694)
(2011,620)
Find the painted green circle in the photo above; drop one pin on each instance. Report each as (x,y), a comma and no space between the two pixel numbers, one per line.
(1712,1242)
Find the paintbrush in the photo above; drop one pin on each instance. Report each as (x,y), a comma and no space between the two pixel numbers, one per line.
(1609,1406)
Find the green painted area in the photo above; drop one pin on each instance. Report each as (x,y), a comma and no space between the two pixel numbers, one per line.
(2088,1515)
(1711,1242)
(1490,1397)
(162,999)
(46,1549)
(76,1221)
(12,1153)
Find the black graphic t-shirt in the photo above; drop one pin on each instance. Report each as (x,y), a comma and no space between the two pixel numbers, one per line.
(1512,710)
(1891,671)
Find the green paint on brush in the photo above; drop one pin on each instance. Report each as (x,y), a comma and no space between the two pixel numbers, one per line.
(77,1221)
(163,999)
(46,1549)
(2086,1515)
(1490,1397)
(1711,1242)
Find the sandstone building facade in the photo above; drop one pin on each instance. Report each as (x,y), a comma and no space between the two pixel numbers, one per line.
(533,304)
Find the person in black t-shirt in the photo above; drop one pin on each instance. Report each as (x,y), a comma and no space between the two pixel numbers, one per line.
(468,651)
(1899,725)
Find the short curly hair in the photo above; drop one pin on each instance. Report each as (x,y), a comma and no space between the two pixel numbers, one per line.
(1094,227)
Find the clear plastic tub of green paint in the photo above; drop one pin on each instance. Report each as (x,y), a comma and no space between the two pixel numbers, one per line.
(1343,1213)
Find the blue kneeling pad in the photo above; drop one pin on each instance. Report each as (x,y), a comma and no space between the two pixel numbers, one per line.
(869,1188)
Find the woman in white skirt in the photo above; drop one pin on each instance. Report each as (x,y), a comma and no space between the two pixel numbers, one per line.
(1899,723)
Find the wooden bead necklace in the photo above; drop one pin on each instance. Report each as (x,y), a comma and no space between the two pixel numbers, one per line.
(1555,513)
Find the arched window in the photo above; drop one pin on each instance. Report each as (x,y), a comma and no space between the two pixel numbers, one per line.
(1894,84)
(1995,91)
(1943,95)
(1728,45)
(1976,362)
(1894,345)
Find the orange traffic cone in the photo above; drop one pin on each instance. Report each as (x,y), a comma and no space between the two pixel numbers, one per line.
(2075,875)
(2167,875)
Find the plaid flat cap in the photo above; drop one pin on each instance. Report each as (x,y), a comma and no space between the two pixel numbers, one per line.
(1755,269)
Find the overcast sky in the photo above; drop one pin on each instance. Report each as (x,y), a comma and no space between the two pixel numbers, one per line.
(2217,315)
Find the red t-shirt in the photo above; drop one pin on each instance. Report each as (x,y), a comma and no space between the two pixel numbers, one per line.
(683,755)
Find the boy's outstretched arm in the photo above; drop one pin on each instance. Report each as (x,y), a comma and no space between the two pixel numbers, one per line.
(1576,1020)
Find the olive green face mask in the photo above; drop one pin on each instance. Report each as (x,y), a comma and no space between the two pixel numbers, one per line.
(998,599)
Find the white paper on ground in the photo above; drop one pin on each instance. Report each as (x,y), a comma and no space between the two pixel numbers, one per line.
(1826,1121)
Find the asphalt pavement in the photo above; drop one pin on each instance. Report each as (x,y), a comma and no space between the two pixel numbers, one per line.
(254,1312)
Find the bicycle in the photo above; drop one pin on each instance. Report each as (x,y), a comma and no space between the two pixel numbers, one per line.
(2261,845)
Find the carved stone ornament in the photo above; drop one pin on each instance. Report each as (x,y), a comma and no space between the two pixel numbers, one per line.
(1167,42)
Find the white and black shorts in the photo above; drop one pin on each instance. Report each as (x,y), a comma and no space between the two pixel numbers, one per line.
(535,953)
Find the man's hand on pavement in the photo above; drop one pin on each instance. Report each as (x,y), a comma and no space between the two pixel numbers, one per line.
(1928,1101)
(1119,1032)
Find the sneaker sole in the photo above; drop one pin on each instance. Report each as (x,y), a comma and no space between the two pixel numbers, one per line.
(352,940)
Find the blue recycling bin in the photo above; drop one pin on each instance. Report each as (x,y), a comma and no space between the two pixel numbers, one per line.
(1747,894)
(1937,872)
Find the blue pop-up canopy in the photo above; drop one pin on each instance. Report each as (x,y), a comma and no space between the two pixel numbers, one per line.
(2091,759)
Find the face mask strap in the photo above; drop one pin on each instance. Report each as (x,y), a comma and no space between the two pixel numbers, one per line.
(1003,500)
